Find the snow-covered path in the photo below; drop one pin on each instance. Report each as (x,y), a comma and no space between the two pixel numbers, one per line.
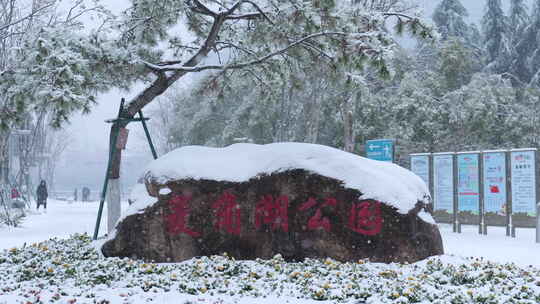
(63,219)
(495,246)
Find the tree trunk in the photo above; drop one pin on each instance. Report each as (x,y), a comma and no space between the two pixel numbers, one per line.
(113,187)
(348,130)
(23,153)
(113,203)
(158,87)
(162,83)
(4,157)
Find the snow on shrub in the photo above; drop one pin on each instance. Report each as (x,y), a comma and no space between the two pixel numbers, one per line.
(71,270)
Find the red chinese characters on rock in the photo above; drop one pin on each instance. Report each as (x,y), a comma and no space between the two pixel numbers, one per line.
(273,212)
(176,220)
(365,217)
(318,220)
(228,214)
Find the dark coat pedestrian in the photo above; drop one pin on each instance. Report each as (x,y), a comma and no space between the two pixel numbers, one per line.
(42,195)
(85,194)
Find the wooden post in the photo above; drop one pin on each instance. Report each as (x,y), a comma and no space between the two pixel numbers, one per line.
(508,194)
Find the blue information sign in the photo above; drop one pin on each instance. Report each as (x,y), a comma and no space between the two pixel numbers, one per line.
(380,149)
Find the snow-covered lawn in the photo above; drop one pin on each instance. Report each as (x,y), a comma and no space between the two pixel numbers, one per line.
(495,246)
(72,271)
(61,220)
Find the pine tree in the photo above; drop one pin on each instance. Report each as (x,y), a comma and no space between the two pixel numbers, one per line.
(534,60)
(448,16)
(526,63)
(519,17)
(455,64)
(475,46)
(494,26)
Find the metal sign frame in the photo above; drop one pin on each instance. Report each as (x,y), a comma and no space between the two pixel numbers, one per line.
(113,145)
(514,223)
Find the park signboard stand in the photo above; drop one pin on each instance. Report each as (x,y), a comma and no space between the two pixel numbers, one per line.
(484,188)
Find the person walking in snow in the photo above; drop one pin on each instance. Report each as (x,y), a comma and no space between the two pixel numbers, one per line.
(85,194)
(14,193)
(42,195)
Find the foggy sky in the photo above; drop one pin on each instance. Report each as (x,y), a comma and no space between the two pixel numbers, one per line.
(84,163)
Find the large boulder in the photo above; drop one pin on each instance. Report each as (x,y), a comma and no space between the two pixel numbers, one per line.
(297,200)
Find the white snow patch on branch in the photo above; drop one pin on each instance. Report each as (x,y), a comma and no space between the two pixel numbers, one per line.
(426,217)
(164,191)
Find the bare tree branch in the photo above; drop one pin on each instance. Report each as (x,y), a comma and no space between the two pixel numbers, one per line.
(77,3)
(229,44)
(161,84)
(202,9)
(246,16)
(252,15)
(82,12)
(244,64)
(30,15)
(234,7)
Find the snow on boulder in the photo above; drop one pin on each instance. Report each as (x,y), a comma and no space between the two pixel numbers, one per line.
(294,199)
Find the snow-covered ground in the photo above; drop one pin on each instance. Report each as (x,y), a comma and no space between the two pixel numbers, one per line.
(496,246)
(63,219)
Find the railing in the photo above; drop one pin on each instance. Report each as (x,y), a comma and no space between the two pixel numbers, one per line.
(69,195)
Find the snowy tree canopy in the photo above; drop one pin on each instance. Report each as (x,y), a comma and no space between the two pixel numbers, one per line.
(455,64)
(63,67)
(449,17)
(61,72)
(51,64)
